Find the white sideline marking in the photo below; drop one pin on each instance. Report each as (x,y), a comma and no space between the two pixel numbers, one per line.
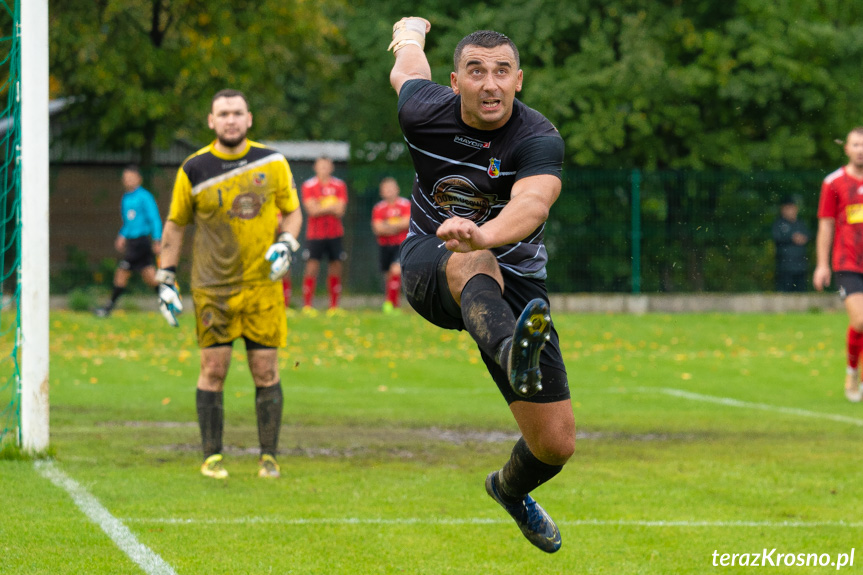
(483,521)
(762,406)
(121,536)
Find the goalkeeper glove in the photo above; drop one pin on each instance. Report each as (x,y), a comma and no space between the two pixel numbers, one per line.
(279,255)
(170,303)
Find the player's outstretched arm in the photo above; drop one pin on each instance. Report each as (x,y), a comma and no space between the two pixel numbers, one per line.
(532,198)
(408,44)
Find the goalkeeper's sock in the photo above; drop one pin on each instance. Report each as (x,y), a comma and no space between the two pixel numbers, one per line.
(487,317)
(211,415)
(523,473)
(334,286)
(308,290)
(115,295)
(268,408)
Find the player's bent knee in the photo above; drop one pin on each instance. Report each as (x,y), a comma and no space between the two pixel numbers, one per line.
(559,453)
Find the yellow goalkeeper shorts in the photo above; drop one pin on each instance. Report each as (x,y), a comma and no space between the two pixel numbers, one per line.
(255,312)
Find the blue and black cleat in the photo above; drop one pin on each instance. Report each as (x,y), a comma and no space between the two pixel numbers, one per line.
(532,331)
(532,519)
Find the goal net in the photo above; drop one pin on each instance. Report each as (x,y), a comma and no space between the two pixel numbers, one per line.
(24,224)
(10,220)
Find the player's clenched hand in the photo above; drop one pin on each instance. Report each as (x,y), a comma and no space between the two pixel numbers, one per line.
(409,30)
(170,303)
(821,277)
(461,235)
(279,255)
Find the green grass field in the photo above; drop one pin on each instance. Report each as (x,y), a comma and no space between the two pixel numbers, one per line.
(697,434)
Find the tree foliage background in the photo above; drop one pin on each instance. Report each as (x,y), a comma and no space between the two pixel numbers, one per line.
(141,72)
(664,84)
(672,89)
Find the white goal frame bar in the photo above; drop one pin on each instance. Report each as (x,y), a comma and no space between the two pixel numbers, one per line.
(33,94)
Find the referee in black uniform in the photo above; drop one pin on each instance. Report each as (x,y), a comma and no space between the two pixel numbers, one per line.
(488,170)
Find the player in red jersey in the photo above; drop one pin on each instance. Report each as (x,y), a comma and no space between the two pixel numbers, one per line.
(325,199)
(840,231)
(390,220)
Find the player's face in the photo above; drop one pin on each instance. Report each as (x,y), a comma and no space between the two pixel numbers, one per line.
(487,80)
(323,168)
(854,149)
(389,191)
(131,180)
(231,120)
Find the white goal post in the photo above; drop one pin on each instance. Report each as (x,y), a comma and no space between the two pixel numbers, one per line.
(34,157)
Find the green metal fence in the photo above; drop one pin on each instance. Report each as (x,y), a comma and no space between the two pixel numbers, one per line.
(628,231)
(621,231)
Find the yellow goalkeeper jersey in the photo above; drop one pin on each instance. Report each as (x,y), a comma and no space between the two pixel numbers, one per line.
(234,202)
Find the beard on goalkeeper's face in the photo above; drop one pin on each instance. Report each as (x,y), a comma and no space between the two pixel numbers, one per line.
(231,141)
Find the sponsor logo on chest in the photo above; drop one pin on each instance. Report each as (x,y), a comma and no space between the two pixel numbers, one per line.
(471,142)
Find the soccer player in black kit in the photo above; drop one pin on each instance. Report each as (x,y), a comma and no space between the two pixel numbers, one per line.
(488,170)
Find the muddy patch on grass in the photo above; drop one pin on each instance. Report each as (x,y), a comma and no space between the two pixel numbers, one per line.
(334,441)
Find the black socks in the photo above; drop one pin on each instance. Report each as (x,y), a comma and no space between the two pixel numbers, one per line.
(523,473)
(268,408)
(487,317)
(115,295)
(210,420)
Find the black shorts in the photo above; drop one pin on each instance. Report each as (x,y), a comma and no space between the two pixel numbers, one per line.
(424,260)
(389,255)
(849,283)
(138,255)
(250,344)
(331,247)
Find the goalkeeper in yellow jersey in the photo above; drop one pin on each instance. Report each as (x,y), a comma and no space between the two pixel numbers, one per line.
(233,191)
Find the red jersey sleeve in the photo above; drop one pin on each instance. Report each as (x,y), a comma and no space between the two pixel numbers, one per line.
(378,212)
(827,204)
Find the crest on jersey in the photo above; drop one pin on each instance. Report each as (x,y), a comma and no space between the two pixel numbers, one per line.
(494,167)
(260,178)
(460,197)
(246,206)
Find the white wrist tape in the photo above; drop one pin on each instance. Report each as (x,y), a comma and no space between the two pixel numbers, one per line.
(402,43)
(408,31)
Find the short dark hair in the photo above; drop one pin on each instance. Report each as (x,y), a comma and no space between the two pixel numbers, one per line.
(132,168)
(228,93)
(484,39)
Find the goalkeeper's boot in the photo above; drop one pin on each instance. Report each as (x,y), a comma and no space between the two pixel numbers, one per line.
(532,331)
(268,468)
(532,519)
(852,386)
(212,467)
